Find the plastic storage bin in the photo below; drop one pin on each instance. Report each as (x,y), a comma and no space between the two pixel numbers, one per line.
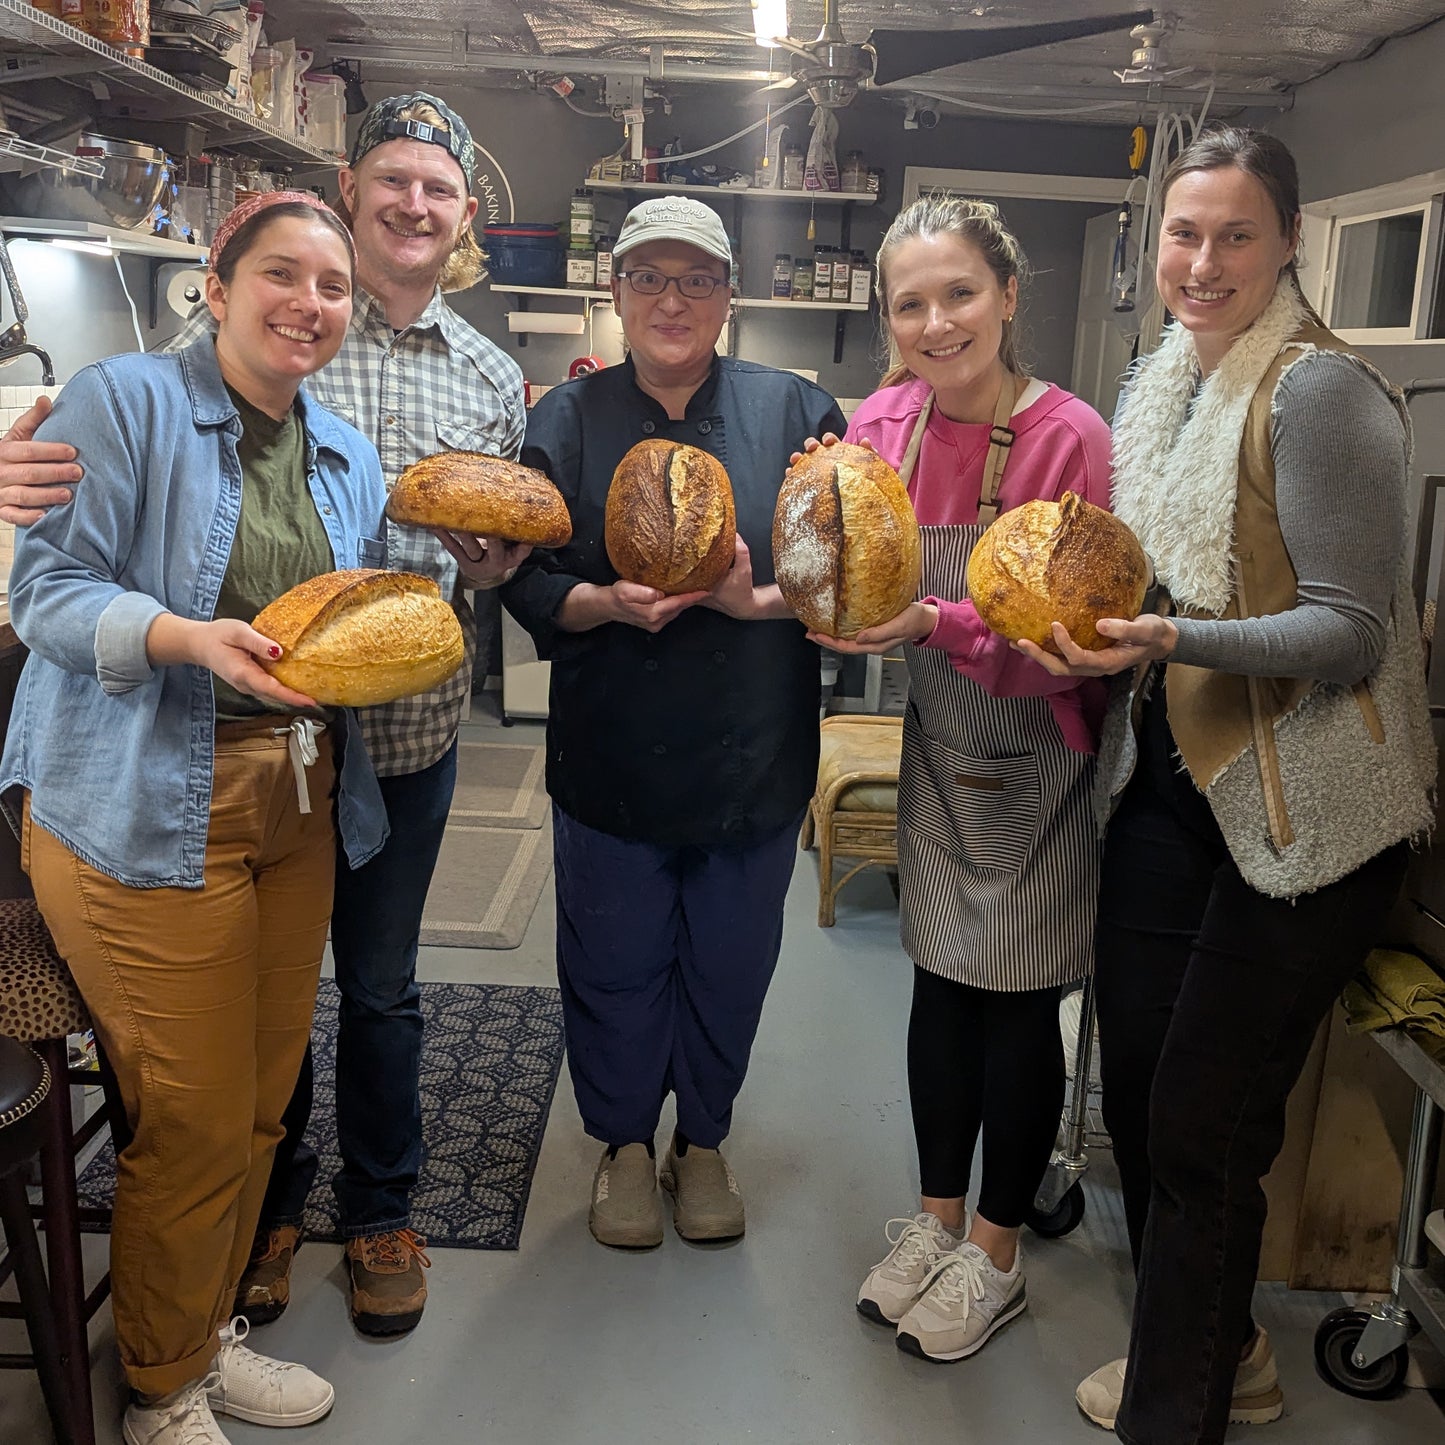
(524,254)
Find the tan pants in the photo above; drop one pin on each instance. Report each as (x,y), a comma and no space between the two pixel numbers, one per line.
(202,999)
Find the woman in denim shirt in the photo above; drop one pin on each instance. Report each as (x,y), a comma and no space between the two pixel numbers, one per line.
(176,808)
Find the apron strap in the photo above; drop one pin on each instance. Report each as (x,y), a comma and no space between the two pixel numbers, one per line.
(915,442)
(1000,439)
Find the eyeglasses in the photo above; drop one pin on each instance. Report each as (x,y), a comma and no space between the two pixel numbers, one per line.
(696,285)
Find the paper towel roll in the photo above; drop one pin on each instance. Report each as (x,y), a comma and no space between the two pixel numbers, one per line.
(184,289)
(556,323)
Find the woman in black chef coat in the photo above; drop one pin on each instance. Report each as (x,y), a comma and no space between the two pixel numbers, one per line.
(682,737)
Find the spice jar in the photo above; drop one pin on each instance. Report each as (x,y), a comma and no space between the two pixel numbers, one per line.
(582,213)
(782,275)
(854,174)
(803,279)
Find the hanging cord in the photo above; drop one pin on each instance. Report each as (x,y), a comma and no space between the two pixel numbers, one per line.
(134,317)
(737,135)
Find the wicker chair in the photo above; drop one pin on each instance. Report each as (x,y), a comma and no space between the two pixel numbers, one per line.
(854,812)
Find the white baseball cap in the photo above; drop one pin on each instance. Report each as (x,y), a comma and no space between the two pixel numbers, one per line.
(674,218)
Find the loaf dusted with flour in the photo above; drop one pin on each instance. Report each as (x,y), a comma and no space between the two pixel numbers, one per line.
(846,548)
(670,521)
(1066,561)
(489,496)
(354,638)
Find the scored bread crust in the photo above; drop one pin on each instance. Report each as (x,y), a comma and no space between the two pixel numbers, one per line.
(359,637)
(670,521)
(1066,561)
(847,551)
(485,495)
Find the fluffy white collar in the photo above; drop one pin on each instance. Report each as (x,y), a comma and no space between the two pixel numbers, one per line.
(1176,467)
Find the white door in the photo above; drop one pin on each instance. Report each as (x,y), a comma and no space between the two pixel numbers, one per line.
(1101,352)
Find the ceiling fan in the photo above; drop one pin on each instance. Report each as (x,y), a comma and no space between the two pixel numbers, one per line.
(832,70)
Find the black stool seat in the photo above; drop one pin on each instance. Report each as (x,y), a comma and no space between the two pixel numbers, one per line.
(24,1085)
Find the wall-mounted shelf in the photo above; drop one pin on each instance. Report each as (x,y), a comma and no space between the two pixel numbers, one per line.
(747,303)
(114,238)
(228,128)
(734,193)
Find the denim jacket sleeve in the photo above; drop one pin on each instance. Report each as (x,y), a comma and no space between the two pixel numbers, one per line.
(66,602)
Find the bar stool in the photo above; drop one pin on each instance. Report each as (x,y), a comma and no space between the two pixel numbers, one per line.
(40,1006)
(24,1088)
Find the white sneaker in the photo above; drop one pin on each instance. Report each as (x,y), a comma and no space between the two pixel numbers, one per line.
(262,1390)
(965,1299)
(898,1278)
(184,1419)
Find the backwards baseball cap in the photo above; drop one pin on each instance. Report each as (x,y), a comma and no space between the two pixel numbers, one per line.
(383,122)
(674,218)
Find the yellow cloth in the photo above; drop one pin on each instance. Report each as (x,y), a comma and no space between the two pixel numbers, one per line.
(1396,989)
(867,747)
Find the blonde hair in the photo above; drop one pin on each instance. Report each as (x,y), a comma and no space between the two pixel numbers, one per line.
(464,267)
(978,222)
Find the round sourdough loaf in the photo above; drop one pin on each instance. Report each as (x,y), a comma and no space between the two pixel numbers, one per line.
(670,522)
(1066,561)
(488,496)
(354,638)
(846,549)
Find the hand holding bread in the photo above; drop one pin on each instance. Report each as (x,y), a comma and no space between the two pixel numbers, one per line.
(358,637)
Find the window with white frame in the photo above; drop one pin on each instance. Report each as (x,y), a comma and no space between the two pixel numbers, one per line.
(1380,282)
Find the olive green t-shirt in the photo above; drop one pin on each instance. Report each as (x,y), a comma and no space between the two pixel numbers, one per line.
(280,540)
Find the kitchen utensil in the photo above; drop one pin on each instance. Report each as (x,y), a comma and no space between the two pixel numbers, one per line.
(125,195)
(13,342)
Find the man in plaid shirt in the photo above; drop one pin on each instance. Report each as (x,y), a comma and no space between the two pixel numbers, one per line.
(417,379)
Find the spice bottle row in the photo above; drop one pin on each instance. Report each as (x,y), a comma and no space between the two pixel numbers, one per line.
(830,274)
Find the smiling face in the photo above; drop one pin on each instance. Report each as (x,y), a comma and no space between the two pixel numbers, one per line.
(408,201)
(947,311)
(672,337)
(284,311)
(1222,246)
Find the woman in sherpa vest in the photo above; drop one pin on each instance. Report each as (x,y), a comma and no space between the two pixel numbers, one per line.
(1266,759)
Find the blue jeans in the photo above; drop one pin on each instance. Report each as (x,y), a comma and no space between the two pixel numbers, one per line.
(374,931)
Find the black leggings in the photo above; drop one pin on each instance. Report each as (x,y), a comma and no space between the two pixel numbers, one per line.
(980,1059)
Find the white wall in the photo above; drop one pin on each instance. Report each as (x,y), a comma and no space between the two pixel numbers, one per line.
(1362,125)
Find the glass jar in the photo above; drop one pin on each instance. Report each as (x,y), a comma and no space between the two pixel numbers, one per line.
(793,168)
(854,174)
(782,276)
(581,215)
(803,279)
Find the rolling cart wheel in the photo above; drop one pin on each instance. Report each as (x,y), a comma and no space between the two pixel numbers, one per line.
(1336,1339)
(1062,1219)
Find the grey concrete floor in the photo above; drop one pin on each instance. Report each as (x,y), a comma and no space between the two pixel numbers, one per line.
(756,1343)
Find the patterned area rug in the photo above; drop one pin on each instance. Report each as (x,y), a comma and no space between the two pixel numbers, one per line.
(488,1069)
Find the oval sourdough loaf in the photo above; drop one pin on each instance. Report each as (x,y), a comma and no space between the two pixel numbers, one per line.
(846,548)
(1066,561)
(488,496)
(670,522)
(354,638)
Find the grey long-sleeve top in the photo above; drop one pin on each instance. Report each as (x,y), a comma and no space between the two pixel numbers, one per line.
(1340,482)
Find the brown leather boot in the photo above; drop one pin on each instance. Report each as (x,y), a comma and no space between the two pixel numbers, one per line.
(388,1290)
(265,1288)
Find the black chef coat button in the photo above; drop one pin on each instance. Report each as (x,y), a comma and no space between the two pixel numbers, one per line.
(648,427)
(650,665)
(719,657)
(726,740)
(704,427)
(659,749)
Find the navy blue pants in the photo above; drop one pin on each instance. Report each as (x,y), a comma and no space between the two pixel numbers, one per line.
(664,956)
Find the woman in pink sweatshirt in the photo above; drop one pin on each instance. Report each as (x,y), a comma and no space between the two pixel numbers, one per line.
(997,854)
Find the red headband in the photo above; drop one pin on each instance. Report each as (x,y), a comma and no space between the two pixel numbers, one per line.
(239,215)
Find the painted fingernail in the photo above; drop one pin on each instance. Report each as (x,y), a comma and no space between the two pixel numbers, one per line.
(274,650)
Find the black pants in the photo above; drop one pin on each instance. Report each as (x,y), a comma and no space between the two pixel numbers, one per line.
(990,1061)
(1209,997)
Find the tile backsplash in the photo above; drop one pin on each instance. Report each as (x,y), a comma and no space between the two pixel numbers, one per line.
(15,401)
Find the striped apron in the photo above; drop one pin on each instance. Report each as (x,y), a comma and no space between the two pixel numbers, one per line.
(998,855)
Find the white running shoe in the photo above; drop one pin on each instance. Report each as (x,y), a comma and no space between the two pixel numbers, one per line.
(965,1299)
(898,1278)
(183,1419)
(262,1390)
